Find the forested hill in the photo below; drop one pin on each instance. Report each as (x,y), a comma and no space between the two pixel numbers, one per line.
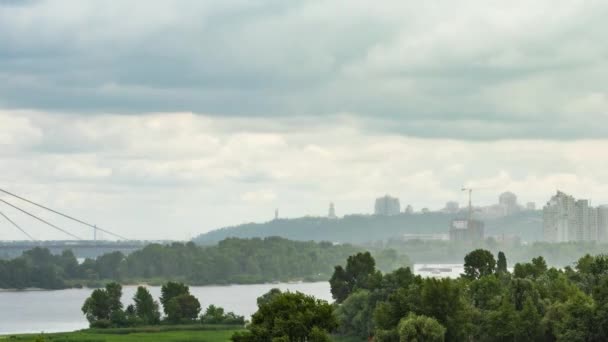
(367,228)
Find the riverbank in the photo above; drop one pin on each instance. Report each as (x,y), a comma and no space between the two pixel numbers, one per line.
(208,333)
(79,284)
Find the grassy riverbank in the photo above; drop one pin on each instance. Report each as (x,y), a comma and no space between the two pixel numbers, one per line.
(189,333)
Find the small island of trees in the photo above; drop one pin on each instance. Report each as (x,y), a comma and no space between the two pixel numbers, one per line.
(104,308)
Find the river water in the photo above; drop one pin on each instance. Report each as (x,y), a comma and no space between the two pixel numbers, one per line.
(57,311)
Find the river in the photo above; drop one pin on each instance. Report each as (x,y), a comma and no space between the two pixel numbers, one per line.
(57,311)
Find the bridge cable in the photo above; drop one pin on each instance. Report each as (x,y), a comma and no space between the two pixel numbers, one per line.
(41,220)
(64,215)
(17,226)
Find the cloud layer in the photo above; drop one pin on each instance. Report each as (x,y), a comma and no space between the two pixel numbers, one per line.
(462,70)
(163,119)
(173,175)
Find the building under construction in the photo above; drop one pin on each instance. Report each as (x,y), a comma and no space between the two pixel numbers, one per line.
(467,229)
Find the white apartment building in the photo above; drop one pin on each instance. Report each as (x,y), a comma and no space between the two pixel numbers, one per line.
(567,219)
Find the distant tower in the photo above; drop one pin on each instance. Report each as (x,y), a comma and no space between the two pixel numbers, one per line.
(332,211)
(276,214)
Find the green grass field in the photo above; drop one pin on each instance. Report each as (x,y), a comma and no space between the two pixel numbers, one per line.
(154,334)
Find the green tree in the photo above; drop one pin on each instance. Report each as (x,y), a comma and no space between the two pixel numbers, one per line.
(534,269)
(479,263)
(268,296)
(216,315)
(501,264)
(576,320)
(183,308)
(416,328)
(171,290)
(360,273)
(529,323)
(97,306)
(355,315)
(485,292)
(290,317)
(520,290)
(501,324)
(114,291)
(104,306)
(443,300)
(146,308)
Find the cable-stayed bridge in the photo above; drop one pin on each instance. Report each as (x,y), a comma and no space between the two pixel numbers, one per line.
(74,241)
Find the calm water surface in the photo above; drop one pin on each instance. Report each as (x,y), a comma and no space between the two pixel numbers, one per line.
(56,311)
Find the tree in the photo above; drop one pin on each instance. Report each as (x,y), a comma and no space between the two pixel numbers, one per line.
(97,306)
(416,328)
(501,264)
(520,290)
(146,308)
(290,317)
(171,290)
(501,324)
(103,305)
(183,308)
(479,263)
(534,269)
(485,292)
(355,315)
(529,327)
(360,273)
(216,315)
(577,321)
(443,300)
(114,291)
(268,296)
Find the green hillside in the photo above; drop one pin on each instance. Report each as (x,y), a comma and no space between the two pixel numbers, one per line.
(368,228)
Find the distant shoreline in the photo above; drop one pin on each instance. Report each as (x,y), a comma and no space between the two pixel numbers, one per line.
(37,289)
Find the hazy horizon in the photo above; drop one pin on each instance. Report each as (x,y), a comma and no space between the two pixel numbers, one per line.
(164,120)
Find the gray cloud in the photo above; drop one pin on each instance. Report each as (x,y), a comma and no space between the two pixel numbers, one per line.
(471,70)
(170,175)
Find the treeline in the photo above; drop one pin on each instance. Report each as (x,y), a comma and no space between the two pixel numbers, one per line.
(104,308)
(487,303)
(450,252)
(230,261)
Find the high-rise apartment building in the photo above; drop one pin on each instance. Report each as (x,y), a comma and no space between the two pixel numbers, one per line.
(508,203)
(567,219)
(602,223)
(387,206)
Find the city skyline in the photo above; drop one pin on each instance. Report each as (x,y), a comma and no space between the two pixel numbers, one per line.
(387,205)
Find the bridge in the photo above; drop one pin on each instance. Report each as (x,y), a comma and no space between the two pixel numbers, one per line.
(82,248)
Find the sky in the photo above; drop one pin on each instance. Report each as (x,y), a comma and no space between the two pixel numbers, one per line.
(166,119)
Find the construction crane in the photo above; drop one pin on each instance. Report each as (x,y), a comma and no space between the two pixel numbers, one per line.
(470,191)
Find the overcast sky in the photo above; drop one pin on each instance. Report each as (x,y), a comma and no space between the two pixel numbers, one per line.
(165,119)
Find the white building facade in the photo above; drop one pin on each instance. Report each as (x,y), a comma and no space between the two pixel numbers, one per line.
(566,219)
